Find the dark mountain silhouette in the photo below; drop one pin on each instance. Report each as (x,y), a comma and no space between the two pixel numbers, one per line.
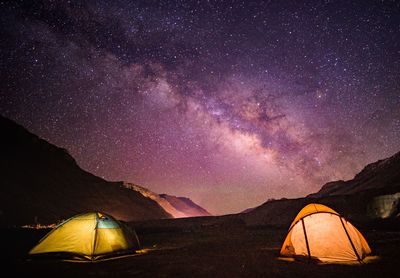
(185,205)
(372,194)
(382,176)
(41,183)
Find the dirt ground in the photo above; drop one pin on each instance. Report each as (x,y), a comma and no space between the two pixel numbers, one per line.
(201,248)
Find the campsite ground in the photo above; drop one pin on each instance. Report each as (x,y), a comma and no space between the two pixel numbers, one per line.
(202,247)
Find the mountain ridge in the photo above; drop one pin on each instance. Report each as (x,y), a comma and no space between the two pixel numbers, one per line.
(43,183)
(372,194)
(186,205)
(366,179)
(169,202)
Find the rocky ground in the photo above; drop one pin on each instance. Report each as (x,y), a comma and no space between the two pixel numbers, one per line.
(203,247)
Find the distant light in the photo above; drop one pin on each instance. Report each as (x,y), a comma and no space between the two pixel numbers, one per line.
(384,206)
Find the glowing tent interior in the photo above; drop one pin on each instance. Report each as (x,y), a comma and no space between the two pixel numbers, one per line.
(89,236)
(319,233)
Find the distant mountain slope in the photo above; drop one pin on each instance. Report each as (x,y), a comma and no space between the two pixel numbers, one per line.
(247,210)
(185,205)
(42,183)
(156,197)
(178,207)
(383,175)
(373,193)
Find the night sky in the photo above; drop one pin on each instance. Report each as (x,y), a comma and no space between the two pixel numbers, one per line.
(229,103)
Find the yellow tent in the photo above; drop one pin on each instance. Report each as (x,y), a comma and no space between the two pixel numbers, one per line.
(320,233)
(88,236)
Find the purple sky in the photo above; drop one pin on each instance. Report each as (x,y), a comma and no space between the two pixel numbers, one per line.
(229,104)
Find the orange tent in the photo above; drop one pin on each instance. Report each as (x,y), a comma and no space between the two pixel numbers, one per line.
(320,233)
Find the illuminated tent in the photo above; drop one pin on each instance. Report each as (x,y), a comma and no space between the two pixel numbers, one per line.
(88,236)
(320,233)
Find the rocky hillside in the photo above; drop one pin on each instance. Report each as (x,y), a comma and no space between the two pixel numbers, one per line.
(374,193)
(382,176)
(156,197)
(41,183)
(185,206)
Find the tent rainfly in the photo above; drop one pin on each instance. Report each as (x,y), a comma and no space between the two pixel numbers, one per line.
(89,236)
(319,233)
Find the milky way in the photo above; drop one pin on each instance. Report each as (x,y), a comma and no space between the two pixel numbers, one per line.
(229,103)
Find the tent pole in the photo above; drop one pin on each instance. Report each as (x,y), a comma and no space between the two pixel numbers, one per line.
(305,235)
(95,237)
(351,242)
